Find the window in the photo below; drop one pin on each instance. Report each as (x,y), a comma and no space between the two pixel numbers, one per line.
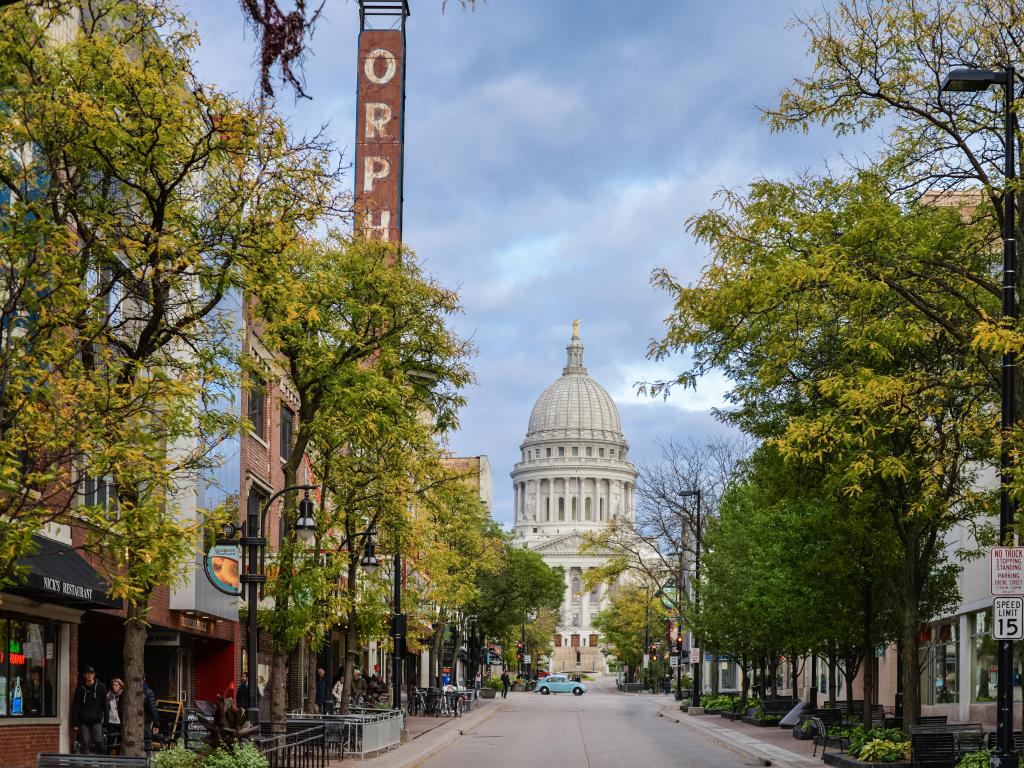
(28,668)
(600,509)
(99,492)
(561,508)
(536,454)
(287,428)
(939,652)
(611,452)
(593,641)
(600,452)
(254,503)
(575,450)
(575,638)
(574,508)
(584,641)
(595,598)
(575,589)
(590,451)
(547,510)
(548,452)
(256,412)
(561,450)
(983,672)
(586,508)
(558,641)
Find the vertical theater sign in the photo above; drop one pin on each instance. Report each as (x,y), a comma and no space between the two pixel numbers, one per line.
(380,119)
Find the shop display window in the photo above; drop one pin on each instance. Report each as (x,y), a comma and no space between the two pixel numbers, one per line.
(28,668)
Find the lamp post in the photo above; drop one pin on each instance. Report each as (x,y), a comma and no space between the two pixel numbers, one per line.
(397,634)
(256,543)
(695,493)
(970,79)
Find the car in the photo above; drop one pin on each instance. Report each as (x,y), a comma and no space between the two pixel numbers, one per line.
(560,684)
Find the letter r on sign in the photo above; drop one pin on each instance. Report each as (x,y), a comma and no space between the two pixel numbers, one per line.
(374,168)
(377,118)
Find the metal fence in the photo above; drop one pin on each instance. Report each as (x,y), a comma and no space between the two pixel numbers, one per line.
(358,734)
(304,746)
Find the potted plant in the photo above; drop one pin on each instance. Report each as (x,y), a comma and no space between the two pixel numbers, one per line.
(491,688)
(226,746)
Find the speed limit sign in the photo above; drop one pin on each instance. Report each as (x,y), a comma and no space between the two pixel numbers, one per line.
(1008,613)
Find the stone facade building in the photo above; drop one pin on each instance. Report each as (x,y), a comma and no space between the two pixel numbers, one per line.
(574,476)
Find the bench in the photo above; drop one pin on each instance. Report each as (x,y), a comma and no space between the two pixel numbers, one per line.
(1018,741)
(946,728)
(776,709)
(54,760)
(933,750)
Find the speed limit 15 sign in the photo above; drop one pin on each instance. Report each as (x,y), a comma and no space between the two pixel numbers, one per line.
(1008,613)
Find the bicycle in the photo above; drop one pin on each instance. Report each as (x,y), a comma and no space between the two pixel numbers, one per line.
(418,702)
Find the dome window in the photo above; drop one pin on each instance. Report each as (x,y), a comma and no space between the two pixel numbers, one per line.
(600,452)
(590,451)
(549,453)
(575,450)
(561,450)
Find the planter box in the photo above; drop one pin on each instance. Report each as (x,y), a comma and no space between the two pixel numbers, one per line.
(732,715)
(840,760)
(487,693)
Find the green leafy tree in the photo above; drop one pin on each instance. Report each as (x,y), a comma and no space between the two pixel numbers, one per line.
(635,612)
(802,309)
(138,194)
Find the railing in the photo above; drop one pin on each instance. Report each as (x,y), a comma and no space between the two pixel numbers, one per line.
(360,735)
(303,747)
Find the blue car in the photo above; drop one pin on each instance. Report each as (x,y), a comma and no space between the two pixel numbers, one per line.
(561,684)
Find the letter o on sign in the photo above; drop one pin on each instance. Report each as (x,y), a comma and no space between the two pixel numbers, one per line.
(370,67)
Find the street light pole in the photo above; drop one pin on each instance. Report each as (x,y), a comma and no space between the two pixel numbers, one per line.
(397,634)
(696,593)
(255,578)
(971,79)
(679,628)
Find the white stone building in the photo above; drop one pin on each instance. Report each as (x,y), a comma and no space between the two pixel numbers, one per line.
(574,476)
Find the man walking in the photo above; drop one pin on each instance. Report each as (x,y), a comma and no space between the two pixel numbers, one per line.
(87,712)
(506,681)
(244,696)
(150,716)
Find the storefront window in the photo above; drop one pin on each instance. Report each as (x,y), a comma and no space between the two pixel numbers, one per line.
(983,670)
(28,669)
(940,653)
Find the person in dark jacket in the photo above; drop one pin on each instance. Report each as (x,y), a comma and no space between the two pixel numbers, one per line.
(506,682)
(243,696)
(150,715)
(88,712)
(323,691)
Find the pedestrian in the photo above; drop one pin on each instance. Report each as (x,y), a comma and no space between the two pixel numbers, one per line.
(322,691)
(115,716)
(150,716)
(358,692)
(506,682)
(87,712)
(244,698)
(338,690)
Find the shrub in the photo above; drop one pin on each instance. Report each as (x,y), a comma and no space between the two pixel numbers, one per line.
(858,738)
(884,751)
(243,755)
(176,757)
(494,682)
(980,759)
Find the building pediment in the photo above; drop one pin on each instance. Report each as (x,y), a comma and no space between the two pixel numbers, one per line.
(566,544)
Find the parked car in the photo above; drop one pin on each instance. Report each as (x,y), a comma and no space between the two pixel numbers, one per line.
(561,684)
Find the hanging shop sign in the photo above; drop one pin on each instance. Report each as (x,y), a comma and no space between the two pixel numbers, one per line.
(223,568)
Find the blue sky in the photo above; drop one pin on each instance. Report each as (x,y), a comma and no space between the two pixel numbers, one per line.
(554,150)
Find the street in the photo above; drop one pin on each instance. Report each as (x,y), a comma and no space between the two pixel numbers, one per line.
(602,729)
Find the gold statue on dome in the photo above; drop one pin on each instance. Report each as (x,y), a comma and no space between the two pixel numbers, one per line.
(575,329)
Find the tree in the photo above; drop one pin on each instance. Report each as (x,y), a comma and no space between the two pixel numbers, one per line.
(635,611)
(345,314)
(138,196)
(523,585)
(801,307)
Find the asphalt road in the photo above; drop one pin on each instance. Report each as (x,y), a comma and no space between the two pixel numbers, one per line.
(601,729)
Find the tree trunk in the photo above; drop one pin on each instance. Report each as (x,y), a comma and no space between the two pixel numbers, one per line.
(278,692)
(132,737)
(438,650)
(910,629)
(351,651)
(831,677)
(868,652)
(745,677)
(794,672)
(311,678)
(773,671)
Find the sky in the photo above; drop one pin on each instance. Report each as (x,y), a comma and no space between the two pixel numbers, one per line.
(554,151)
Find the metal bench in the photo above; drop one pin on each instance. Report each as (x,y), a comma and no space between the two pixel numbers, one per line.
(933,750)
(1018,741)
(54,760)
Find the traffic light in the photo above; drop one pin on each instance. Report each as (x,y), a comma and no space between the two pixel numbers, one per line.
(519,650)
(679,643)
(654,647)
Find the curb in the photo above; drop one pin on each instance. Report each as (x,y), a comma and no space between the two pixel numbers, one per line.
(765,754)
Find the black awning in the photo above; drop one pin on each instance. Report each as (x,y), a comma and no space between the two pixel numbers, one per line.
(56,573)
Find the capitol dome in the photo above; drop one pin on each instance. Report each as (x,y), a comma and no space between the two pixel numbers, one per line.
(575,406)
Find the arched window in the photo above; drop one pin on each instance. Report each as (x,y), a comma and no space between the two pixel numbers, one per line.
(586,508)
(595,595)
(575,589)
(561,508)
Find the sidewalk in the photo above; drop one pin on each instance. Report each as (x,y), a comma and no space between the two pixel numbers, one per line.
(768,746)
(426,736)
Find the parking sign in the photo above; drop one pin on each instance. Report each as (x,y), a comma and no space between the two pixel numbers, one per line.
(1008,613)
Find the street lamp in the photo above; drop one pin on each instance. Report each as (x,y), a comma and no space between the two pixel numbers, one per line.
(695,493)
(253,575)
(961,80)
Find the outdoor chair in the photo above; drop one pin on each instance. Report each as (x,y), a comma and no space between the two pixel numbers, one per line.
(1018,741)
(821,737)
(933,750)
(969,741)
(932,720)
